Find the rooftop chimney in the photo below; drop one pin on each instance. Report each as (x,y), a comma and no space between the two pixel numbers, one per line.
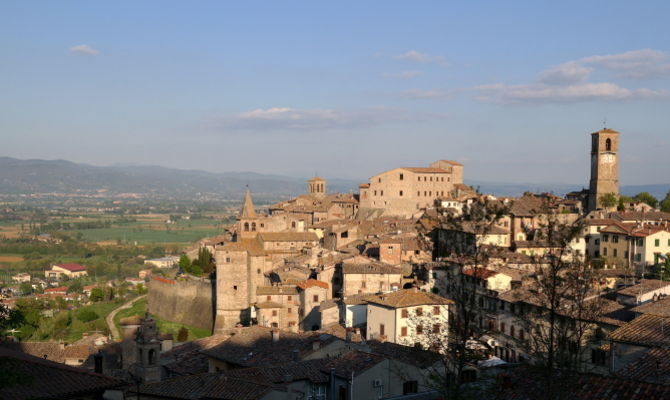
(275,335)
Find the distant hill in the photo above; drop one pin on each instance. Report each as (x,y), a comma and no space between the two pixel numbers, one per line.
(59,176)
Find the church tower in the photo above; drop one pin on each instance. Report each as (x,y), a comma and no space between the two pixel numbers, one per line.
(148,344)
(247,222)
(604,166)
(316,187)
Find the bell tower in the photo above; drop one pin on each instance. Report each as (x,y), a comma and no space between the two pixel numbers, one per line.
(604,166)
(316,187)
(148,344)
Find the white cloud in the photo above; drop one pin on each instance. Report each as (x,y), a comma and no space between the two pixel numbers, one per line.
(84,49)
(403,74)
(289,119)
(540,92)
(425,94)
(645,63)
(567,73)
(413,55)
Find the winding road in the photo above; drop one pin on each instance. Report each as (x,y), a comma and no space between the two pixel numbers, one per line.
(110,317)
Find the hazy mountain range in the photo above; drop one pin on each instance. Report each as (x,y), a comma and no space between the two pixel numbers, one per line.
(59,176)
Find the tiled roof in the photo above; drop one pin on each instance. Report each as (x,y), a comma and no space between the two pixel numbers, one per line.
(327,304)
(252,246)
(292,371)
(44,379)
(276,290)
(311,283)
(253,346)
(288,236)
(659,307)
(372,268)
(652,367)
(407,354)
(72,267)
(529,386)
(187,359)
(248,211)
(357,299)
(425,170)
(646,330)
(643,286)
(53,351)
(408,298)
(355,361)
(213,386)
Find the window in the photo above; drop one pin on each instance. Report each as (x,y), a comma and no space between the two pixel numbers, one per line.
(404,313)
(389,250)
(608,145)
(615,239)
(228,259)
(418,194)
(316,298)
(253,227)
(606,238)
(502,327)
(419,312)
(246,227)
(293,224)
(290,310)
(436,328)
(402,176)
(317,392)
(379,180)
(418,178)
(381,329)
(403,331)
(605,251)
(638,257)
(274,313)
(382,192)
(419,330)
(401,193)
(614,252)
(657,242)
(269,298)
(375,192)
(522,334)
(275,325)
(511,331)
(363,284)
(410,387)
(436,310)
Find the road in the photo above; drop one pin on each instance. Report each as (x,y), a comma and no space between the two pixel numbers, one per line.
(110,317)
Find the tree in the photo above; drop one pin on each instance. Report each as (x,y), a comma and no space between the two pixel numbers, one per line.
(609,200)
(647,198)
(141,289)
(182,335)
(26,288)
(10,318)
(184,262)
(97,294)
(665,203)
(87,315)
(205,261)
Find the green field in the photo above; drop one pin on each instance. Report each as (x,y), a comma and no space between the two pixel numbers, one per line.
(140,235)
(140,307)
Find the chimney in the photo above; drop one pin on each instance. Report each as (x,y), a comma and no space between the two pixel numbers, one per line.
(275,335)
(97,359)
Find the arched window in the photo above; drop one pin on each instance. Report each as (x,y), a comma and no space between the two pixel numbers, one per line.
(152,357)
(246,227)
(253,227)
(608,145)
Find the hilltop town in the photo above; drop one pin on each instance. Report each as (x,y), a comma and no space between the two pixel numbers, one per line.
(416,287)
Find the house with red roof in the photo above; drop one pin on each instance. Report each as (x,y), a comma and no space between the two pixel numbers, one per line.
(67,269)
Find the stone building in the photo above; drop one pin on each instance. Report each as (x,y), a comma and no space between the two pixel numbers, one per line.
(363,275)
(604,166)
(404,190)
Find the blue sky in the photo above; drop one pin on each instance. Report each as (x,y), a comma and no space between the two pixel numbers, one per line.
(348,89)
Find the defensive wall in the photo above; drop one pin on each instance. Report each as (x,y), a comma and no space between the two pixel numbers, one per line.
(189,301)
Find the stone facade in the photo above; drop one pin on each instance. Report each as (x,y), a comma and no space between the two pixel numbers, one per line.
(604,166)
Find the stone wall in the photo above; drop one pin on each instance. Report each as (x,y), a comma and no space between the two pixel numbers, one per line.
(190,302)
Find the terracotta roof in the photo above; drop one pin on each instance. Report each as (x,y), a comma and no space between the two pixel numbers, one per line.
(407,354)
(187,359)
(53,351)
(72,267)
(526,385)
(297,371)
(659,307)
(316,179)
(43,379)
(426,170)
(311,283)
(408,298)
(288,236)
(643,286)
(357,299)
(252,246)
(642,216)
(372,268)
(646,330)
(276,290)
(214,386)
(253,346)
(652,367)
(61,289)
(268,304)
(355,362)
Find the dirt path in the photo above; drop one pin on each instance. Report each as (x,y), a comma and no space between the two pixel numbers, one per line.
(110,317)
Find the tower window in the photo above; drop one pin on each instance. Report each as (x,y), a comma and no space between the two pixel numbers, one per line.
(246,227)
(401,193)
(608,145)
(402,177)
(253,227)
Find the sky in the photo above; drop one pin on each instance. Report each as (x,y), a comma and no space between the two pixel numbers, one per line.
(342,89)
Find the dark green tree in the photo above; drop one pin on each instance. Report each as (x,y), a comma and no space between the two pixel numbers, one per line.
(665,203)
(97,294)
(182,335)
(647,198)
(609,200)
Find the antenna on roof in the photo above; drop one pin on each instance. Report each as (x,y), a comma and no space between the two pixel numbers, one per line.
(605,123)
